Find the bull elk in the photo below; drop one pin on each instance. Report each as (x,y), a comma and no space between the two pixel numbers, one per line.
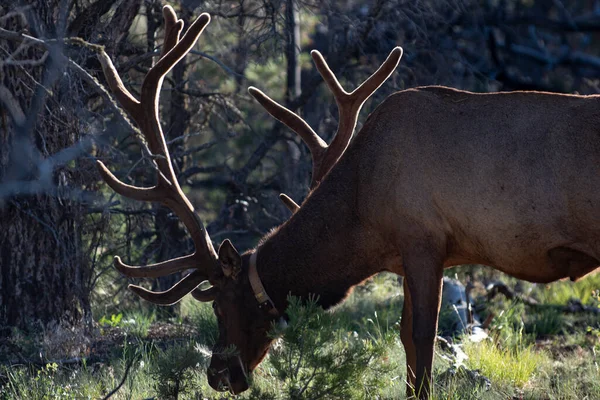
(436,177)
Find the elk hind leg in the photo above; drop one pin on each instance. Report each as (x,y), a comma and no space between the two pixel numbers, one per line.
(406,331)
(423,268)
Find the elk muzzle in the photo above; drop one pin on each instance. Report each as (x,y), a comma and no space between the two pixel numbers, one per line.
(227,375)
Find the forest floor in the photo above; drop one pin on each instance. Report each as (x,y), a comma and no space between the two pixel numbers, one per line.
(534,351)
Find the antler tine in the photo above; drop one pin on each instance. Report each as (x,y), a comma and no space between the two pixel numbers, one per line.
(315,144)
(349,105)
(124,97)
(155,270)
(368,87)
(167,190)
(289,202)
(205,295)
(173,28)
(173,295)
(133,192)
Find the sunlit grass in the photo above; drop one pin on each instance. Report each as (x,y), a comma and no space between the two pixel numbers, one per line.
(53,382)
(514,367)
(562,291)
(138,322)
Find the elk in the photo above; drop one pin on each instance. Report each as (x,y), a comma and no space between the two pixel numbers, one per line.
(437,177)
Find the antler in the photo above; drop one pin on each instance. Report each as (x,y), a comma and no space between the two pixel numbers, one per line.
(167,190)
(349,104)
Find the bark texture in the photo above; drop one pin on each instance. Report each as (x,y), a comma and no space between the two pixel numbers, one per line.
(44,272)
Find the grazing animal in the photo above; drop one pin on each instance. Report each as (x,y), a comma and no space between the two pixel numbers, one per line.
(436,177)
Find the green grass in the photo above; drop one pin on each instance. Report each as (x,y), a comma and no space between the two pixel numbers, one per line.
(505,367)
(532,353)
(562,291)
(76,382)
(546,322)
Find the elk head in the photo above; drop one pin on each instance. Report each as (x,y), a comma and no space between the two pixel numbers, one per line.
(244,311)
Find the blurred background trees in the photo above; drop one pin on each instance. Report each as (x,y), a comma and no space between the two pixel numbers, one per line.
(60,225)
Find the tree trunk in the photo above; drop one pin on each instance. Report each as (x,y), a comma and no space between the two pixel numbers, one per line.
(44,272)
(292,33)
(294,171)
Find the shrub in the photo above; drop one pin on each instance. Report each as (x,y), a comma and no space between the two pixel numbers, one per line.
(174,370)
(316,358)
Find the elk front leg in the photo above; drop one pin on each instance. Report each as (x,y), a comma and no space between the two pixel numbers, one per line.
(406,331)
(423,275)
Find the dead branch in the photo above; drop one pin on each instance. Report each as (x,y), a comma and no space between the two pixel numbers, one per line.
(116,389)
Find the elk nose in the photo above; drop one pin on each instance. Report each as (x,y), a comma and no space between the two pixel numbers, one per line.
(224,380)
(218,380)
(237,379)
(239,386)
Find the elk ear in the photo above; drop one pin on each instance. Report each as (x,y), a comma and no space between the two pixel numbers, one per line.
(230,259)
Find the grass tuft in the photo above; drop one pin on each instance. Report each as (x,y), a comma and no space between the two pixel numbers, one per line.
(513,367)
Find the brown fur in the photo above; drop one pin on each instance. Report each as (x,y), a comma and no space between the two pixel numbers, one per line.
(439,177)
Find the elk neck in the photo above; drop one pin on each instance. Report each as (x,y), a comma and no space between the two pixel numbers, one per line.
(324,249)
